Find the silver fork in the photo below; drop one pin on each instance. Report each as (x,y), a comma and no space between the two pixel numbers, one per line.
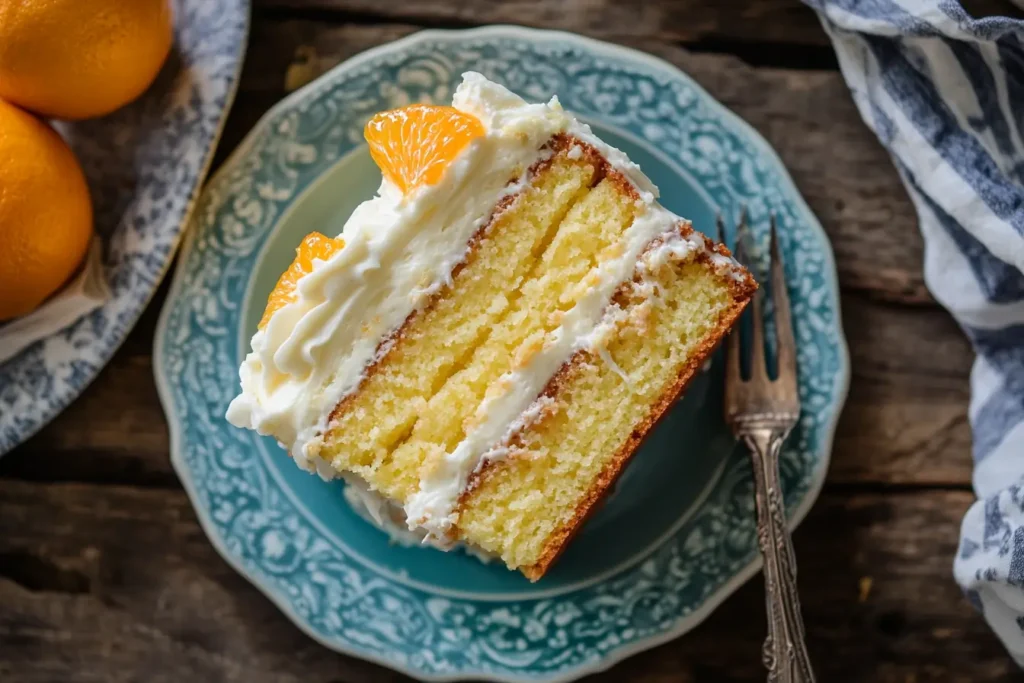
(761,412)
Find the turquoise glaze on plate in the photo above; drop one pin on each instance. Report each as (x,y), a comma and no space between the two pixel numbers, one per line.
(677,534)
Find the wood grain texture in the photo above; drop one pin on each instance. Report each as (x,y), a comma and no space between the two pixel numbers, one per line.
(808,116)
(906,407)
(106,576)
(788,22)
(104,583)
(905,420)
(907,410)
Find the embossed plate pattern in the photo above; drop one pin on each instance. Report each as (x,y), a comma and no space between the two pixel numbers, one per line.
(446,617)
(144,164)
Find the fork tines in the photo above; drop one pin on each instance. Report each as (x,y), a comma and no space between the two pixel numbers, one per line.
(779,394)
(785,342)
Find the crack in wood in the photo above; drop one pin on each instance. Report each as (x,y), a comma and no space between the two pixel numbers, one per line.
(899,480)
(180,609)
(354,17)
(87,466)
(42,575)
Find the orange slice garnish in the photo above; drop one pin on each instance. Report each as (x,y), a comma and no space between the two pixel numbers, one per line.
(413,145)
(314,246)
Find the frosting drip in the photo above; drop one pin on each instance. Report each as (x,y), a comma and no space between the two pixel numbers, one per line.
(401,249)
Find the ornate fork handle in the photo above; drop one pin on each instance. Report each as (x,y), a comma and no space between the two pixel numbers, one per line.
(784,653)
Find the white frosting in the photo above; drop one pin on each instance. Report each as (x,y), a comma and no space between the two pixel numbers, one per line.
(381,512)
(389,517)
(584,326)
(398,251)
(401,249)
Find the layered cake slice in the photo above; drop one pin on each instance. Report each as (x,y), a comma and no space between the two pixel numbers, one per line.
(490,338)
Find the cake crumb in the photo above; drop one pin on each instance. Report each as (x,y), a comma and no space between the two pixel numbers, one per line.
(502,386)
(431,465)
(612,251)
(526,352)
(555,318)
(640,316)
(607,358)
(865,589)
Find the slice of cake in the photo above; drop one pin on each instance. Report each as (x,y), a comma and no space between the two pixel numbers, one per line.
(492,336)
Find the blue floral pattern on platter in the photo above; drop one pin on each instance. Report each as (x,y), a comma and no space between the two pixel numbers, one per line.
(144,165)
(349,603)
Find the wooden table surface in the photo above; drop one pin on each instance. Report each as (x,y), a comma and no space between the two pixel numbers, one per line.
(105,574)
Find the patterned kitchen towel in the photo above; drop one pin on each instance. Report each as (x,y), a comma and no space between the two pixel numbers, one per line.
(945,94)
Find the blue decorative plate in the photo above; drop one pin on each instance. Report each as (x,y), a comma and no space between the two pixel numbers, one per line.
(676,537)
(144,164)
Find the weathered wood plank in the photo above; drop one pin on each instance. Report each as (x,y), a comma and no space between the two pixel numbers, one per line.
(685,21)
(905,420)
(906,408)
(111,583)
(808,116)
(875,586)
(753,21)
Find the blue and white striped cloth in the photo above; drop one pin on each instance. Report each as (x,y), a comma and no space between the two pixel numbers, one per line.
(945,94)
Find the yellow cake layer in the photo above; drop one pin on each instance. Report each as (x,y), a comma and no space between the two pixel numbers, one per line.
(435,343)
(590,233)
(523,507)
(535,261)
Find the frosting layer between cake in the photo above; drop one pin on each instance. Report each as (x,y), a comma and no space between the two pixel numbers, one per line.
(400,250)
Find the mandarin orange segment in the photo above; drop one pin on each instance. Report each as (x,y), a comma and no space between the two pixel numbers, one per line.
(414,145)
(314,246)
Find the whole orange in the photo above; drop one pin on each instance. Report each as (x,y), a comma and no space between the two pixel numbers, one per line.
(45,212)
(76,59)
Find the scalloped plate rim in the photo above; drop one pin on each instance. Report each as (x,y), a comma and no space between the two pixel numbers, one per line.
(54,409)
(612,51)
